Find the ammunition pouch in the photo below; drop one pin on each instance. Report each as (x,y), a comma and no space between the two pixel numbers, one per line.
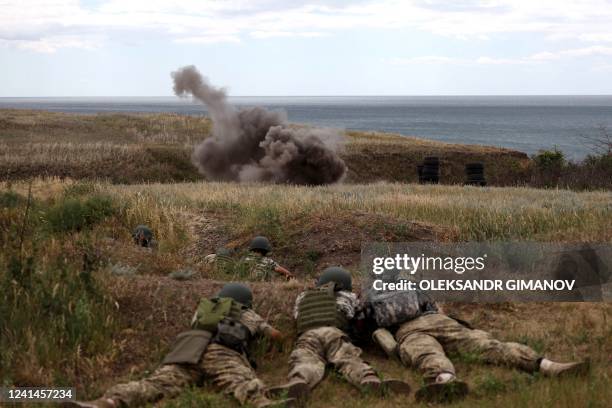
(232,334)
(188,347)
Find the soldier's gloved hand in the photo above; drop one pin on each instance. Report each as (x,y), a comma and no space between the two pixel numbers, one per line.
(276,335)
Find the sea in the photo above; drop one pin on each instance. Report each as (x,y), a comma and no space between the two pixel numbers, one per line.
(525,123)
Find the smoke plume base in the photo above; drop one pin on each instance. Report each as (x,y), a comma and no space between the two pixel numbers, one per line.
(255,144)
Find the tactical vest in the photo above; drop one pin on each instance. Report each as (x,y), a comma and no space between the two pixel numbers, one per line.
(318,309)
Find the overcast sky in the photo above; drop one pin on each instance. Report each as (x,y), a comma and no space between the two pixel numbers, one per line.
(318,47)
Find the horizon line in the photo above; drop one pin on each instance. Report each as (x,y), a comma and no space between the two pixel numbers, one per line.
(303,96)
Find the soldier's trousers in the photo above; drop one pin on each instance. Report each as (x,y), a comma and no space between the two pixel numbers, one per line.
(228,370)
(316,348)
(424,341)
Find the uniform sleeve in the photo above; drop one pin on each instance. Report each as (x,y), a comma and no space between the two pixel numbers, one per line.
(270,263)
(255,323)
(347,303)
(210,259)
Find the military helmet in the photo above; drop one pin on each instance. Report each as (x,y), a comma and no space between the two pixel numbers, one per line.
(240,292)
(142,235)
(339,275)
(260,243)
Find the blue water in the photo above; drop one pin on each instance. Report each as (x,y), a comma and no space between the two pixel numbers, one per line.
(525,123)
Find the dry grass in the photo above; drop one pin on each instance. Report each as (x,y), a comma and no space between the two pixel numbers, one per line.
(476,213)
(80,154)
(310,228)
(135,148)
(158,147)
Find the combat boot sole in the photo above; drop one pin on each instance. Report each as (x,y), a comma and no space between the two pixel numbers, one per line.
(298,391)
(284,403)
(442,392)
(99,403)
(397,387)
(575,370)
(382,387)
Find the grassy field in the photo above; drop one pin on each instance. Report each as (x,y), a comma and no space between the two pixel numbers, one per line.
(106,310)
(157,148)
(83,306)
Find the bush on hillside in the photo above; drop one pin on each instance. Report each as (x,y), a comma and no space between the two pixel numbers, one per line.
(72,214)
(549,160)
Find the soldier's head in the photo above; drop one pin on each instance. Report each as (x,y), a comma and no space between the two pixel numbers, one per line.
(240,292)
(260,245)
(143,236)
(340,276)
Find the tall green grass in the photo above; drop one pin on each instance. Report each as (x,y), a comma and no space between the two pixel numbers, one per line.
(55,316)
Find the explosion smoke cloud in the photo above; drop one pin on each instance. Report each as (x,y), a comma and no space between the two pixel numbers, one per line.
(255,144)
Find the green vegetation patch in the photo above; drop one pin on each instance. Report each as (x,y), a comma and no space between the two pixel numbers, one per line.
(73,214)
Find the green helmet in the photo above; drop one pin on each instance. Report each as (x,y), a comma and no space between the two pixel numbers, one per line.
(260,243)
(240,292)
(142,235)
(339,275)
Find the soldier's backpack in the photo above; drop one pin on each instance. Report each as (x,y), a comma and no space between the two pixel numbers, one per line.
(212,311)
(221,316)
(390,308)
(318,308)
(216,320)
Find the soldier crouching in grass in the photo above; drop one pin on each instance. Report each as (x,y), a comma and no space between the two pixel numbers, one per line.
(323,315)
(260,266)
(215,350)
(411,324)
(143,237)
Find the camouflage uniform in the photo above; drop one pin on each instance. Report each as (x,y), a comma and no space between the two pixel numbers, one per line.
(424,341)
(316,347)
(259,267)
(228,370)
(222,262)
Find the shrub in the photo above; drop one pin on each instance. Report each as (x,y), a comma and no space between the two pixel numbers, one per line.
(10,199)
(601,161)
(549,159)
(72,214)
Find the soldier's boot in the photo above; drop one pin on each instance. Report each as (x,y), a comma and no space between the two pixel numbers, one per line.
(554,369)
(445,389)
(374,385)
(298,391)
(282,403)
(99,403)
